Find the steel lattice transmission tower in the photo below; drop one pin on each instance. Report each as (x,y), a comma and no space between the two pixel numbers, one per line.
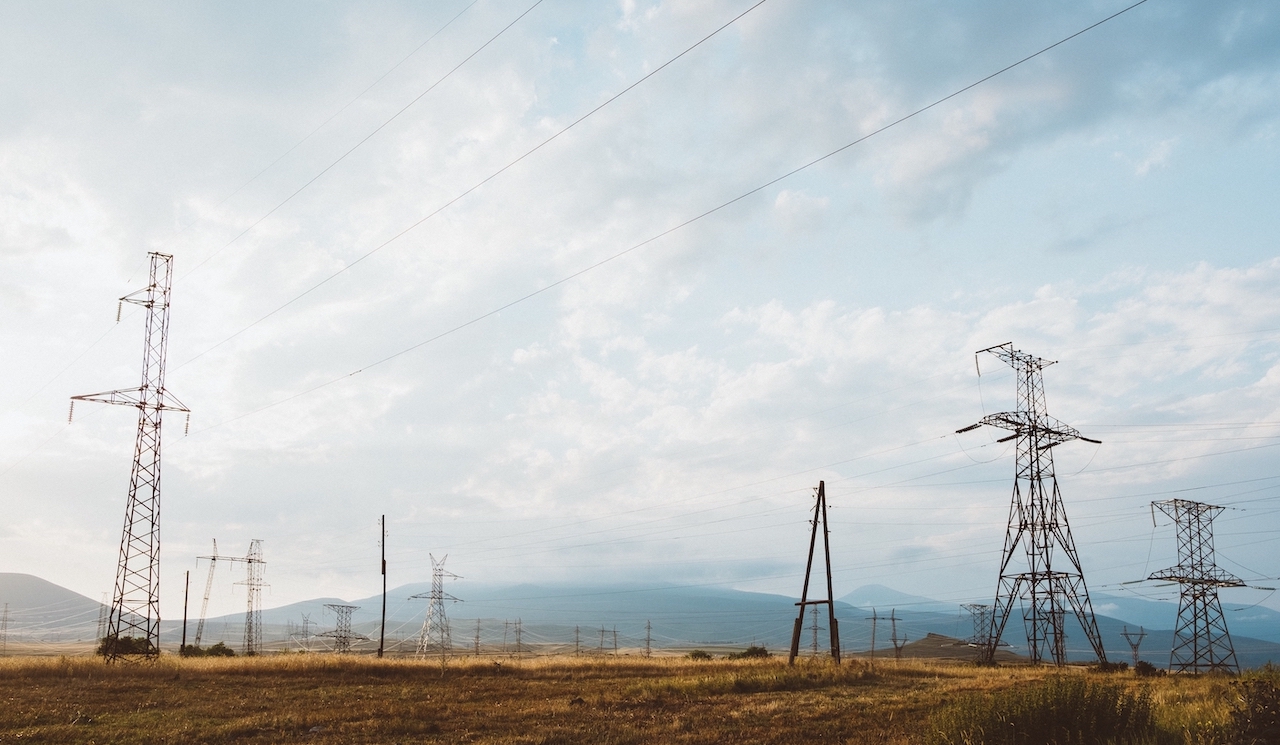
(133,626)
(1038,525)
(342,634)
(254,566)
(435,636)
(1200,639)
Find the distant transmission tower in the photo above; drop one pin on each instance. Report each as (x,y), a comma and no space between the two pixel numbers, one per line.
(648,639)
(519,637)
(342,634)
(819,515)
(305,634)
(981,615)
(1037,524)
(477,639)
(1200,639)
(133,626)
(1135,641)
(104,609)
(435,636)
(254,565)
(815,628)
(874,619)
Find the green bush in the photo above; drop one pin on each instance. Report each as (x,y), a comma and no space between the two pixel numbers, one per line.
(218,650)
(751,653)
(119,645)
(1058,711)
(1145,669)
(699,654)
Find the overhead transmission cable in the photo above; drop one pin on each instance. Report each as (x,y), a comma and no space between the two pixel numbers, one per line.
(366,138)
(324,123)
(591,267)
(475,186)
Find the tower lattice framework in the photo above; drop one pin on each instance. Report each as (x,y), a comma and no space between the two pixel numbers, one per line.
(133,625)
(1200,639)
(342,635)
(1037,528)
(435,637)
(255,567)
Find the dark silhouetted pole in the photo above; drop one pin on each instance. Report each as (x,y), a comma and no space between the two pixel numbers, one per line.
(382,629)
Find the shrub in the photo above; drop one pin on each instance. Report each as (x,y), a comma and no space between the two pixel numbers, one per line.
(751,653)
(124,645)
(1059,710)
(698,654)
(1145,669)
(218,650)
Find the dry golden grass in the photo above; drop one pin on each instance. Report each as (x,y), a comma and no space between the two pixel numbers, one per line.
(341,699)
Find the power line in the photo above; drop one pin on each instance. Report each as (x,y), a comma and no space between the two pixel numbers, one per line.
(634,247)
(471,189)
(322,125)
(356,146)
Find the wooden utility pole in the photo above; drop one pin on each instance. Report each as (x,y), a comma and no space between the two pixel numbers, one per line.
(382,627)
(819,515)
(186,593)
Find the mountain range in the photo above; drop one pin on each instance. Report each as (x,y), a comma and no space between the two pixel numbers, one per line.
(45,618)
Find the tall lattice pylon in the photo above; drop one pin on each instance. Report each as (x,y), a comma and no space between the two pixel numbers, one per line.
(1201,643)
(1037,525)
(819,517)
(254,566)
(133,626)
(435,637)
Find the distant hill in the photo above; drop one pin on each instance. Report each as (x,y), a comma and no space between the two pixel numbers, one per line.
(42,613)
(50,619)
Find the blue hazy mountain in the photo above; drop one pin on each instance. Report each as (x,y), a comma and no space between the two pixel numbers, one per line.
(562,616)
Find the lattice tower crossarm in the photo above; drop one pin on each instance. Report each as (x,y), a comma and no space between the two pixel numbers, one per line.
(1037,525)
(135,605)
(1201,642)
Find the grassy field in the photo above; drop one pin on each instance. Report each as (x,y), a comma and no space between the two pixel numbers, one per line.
(341,699)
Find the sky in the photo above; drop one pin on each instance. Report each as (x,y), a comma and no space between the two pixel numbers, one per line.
(540,282)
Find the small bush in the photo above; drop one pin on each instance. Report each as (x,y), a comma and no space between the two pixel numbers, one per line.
(218,650)
(699,654)
(1058,710)
(1145,669)
(1109,667)
(751,653)
(119,645)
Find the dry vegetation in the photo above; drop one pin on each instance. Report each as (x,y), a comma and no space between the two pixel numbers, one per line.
(332,699)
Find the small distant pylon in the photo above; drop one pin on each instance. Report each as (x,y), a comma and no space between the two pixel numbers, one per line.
(133,625)
(303,637)
(1135,641)
(648,639)
(342,634)
(477,639)
(819,516)
(815,628)
(1037,526)
(875,620)
(435,636)
(981,615)
(1201,643)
